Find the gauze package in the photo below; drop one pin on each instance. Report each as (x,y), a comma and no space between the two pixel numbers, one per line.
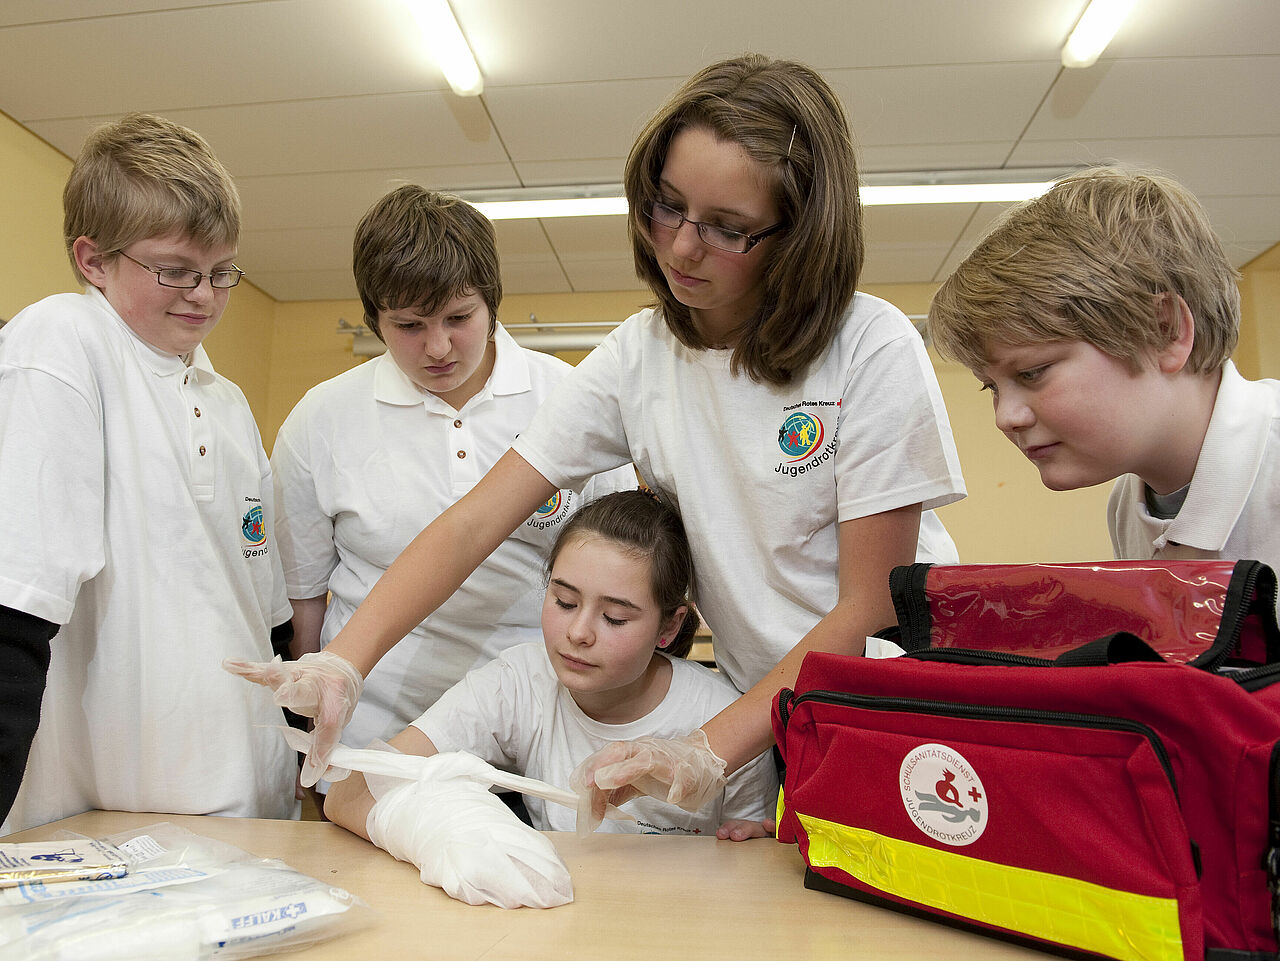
(439,814)
(185,898)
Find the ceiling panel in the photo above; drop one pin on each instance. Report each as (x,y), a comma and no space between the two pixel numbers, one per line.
(1208,166)
(1170,97)
(319,106)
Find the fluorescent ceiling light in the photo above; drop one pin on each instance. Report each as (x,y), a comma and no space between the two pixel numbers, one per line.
(443,38)
(566,207)
(906,194)
(1097,25)
(950,187)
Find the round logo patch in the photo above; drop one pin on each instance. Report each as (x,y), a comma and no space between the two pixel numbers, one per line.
(550,507)
(943,794)
(251,526)
(800,435)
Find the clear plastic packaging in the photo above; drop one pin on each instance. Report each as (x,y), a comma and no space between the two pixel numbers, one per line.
(186,898)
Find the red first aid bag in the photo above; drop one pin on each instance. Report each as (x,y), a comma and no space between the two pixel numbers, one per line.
(1197,612)
(1103,803)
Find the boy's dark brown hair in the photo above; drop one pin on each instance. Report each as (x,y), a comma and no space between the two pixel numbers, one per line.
(418,249)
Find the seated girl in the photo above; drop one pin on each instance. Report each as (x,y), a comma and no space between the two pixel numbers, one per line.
(616,627)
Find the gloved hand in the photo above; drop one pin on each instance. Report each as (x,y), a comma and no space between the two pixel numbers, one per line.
(320,685)
(683,771)
(462,838)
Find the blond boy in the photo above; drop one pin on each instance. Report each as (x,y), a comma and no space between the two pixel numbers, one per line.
(1101,316)
(139,527)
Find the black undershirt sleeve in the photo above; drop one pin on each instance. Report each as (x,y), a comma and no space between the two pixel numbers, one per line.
(24,668)
(281,635)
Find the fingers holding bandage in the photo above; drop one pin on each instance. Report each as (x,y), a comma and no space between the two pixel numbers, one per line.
(320,685)
(683,771)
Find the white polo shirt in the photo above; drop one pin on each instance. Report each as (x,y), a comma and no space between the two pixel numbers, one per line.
(515,714)
(364,462)
(762,475)
(1233,504)
(139,519)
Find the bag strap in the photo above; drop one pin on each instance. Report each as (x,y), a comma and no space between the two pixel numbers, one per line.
(1118,648)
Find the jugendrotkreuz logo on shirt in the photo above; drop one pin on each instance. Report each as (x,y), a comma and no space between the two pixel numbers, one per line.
(253,529)
(804,439)
(556,509)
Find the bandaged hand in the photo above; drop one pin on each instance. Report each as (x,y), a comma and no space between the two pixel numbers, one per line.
(463,839)
(320,685)
(683,771)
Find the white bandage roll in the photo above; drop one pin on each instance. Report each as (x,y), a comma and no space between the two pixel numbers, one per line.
(463,838)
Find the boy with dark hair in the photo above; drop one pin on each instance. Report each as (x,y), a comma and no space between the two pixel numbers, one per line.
(370,457)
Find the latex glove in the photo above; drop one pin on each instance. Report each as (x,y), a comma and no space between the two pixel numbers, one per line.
(319,685)
(683,771)
(462,838)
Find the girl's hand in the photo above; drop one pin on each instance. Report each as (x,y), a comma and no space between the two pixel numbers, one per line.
(683,771)
(319,685)
(743,830)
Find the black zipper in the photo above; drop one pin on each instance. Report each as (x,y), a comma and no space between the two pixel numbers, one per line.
(1255,678)
(787,701)
(1271,857)
(911,605)
(966,655)
(1212,659)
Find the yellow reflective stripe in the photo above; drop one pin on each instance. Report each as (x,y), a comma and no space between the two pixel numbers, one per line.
(780,810)
(1068,911)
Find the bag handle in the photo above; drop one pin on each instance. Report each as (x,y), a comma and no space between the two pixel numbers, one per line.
(1118,648)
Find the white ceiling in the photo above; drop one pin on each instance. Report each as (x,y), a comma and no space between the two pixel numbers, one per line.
(319,106)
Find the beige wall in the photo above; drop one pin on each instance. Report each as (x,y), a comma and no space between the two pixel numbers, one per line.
(1259,352)
(276,351)
(1008,515)
(33,261)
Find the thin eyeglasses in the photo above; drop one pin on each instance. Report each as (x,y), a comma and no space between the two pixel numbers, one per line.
(722,238)
(186,279)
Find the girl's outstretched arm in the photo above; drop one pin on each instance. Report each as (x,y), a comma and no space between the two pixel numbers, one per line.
(349,801)
(327,685)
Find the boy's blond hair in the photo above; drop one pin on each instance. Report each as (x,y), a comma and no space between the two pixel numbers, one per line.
(1088,261)
(142,177)
(417,249)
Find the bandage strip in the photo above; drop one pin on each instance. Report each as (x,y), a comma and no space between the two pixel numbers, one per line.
(406,766)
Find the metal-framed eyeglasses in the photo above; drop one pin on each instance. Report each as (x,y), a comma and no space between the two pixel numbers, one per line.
(722,238)
(186,279)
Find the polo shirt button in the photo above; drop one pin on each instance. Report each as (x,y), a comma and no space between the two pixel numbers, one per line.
(457,423)
(462,455)
(202,450)
(197,411)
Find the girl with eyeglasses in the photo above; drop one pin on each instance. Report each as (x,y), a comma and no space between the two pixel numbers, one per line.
(797,425)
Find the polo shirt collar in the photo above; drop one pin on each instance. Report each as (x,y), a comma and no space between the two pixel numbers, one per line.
(157,361)
(1227,466)
(510,375)
(510,366)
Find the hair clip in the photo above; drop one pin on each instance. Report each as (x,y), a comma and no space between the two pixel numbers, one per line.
(791,141)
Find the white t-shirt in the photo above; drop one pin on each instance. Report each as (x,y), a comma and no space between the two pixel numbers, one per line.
(762,475)
(140,521)
(1233,504)
(364,462)
(515,714)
